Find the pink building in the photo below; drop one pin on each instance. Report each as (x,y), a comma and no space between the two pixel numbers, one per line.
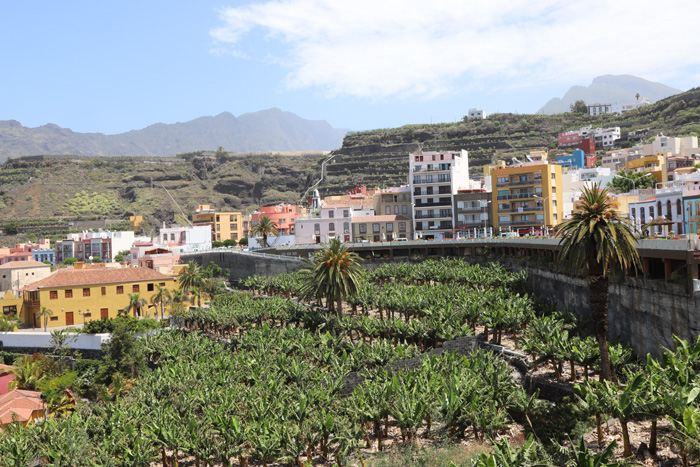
(283,215)
(569,138)
(5,378)
(22,251)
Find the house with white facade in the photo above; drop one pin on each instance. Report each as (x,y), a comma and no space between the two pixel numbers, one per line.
(476,114)
(184,239)
(686,146)
(435,177)
(330,220)
(606,136)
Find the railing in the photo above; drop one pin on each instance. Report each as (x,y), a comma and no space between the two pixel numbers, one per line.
(530,222)
(472,209)
(519,182)
(522,209)
(420,181)
(439,203)
(518,196)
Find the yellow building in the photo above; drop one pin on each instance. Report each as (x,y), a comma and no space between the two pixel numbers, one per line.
(78,295)
(655,165)
(526,195)
(226,225)
(488,169)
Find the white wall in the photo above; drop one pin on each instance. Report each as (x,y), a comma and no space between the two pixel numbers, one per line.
(42,339)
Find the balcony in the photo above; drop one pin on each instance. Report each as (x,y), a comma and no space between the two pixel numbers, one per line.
(522,209)
(432,203)
(472,209)
(519,196)
(532,222)
(519,182)
(433,180)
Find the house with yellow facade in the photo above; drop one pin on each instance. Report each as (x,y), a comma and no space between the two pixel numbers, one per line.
(525,195)
(225,225)
(655,165)
(85,293)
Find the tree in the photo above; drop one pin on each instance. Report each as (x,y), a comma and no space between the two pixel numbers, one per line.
(28,373)
(579,107)
(45,313)
(243,241)
(637,96)
(595,240)
(161,297)
(119,258)
(96,259)
(217,244)
(229,242)
(191,277)
(623,183)
(70,260)
(264,228)
(334,273)
(136,303)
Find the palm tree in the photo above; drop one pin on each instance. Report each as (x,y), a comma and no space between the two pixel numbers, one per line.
(178,301)
(595,240)
(334,273)
(45,313)
(264,228)
(191,277)
(27,372)
(161,297)
(136,303)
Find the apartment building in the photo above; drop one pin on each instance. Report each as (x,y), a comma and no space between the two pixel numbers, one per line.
(434,178)
(225,225)
(394,201)
(654,165)
(381,228)
(525,196)
(183,239)
(330,219)
(606,137)
(686,146)
(283,215)
(473,210)
(79,295)
(616,160)
(103,244)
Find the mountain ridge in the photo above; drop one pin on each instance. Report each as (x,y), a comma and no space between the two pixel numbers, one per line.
(266,130)
(609,89)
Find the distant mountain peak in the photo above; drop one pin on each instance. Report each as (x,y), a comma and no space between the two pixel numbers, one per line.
(609,89)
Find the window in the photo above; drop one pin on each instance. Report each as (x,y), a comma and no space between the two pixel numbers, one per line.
(104,290)
(232,218)
(53,295)
(9,310)
(503,218)
(554,176)
(387,210)
(172,237)
(396,210)
(331,227)
(404,209)
(375,227)
(346,227)
(150,287)
(633,211)
(120,289)
(86,291)
(363,228)
(402,226)
(346,213)
(331,214)
(317,229)
(135,288)
(69,293)
(679,207)
(389,227)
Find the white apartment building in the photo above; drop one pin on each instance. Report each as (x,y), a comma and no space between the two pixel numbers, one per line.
(606,136)
(676,146)
(179,239)
(434,178)
(84,246)
(476,114)
(325,223)
(616,160)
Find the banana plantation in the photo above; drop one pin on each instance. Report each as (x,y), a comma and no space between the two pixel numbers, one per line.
(256,379)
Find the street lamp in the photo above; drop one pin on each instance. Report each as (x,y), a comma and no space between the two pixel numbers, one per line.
(544,204)
(631,180)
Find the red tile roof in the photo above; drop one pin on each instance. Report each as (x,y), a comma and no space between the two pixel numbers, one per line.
(21,403)
(24,264)
(76,277)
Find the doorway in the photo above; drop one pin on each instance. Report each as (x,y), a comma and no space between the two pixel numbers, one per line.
(69,318)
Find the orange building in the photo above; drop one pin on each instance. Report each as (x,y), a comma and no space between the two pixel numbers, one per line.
(283,215)
(22,407)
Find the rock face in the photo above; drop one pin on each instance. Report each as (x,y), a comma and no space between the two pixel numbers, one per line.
(267,130)
(609,89)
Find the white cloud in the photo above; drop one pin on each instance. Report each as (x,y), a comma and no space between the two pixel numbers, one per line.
(385,48)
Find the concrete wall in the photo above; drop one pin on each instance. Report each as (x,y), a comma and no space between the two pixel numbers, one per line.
(645,313)
(241,264)
(11,340)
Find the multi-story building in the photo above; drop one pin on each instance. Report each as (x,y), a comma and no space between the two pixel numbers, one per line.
(434,178)
(330,219)
(473,212)
(569,138)
(381,228)
(598,109)
(654,165)
(394,201)
(15,275)
(527,196)
(225,225)
(78,295)
(617,159)
(283,215)
(22,251)
(606,136)
(103,244)
(44,254)
(676,146)
(184,239)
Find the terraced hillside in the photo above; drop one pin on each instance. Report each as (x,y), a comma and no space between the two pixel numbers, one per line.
(379,157)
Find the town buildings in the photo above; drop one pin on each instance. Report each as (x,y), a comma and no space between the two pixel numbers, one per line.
(225,225)
(90,292)
(527,196)
(675,146)
(380,228)
(15,275)
(473,212)
(103,244)
(434,178)
(476,114)
(331,219)
(282,215)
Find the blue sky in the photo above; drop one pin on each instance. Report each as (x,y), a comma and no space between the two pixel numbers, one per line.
(111,67)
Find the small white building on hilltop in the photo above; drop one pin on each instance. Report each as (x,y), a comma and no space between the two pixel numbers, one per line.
(476,114)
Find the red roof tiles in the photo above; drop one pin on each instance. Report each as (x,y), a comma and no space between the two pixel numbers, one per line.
(73,277)
(21,403)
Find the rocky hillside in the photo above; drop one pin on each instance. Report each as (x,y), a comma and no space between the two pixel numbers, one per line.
(267,130)
(380,157)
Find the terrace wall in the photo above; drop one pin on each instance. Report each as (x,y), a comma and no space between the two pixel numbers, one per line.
(241,264)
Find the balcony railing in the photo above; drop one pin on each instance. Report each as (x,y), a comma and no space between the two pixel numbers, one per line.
(518,196)
(520,182)
(530,222)
(423,181)
(432,203)
(522,209)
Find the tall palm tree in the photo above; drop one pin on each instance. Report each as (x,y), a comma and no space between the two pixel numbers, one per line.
(161,297)
(264,228)
(191,277)
(595,240)
(334,273)
(45,313)
(136,303)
